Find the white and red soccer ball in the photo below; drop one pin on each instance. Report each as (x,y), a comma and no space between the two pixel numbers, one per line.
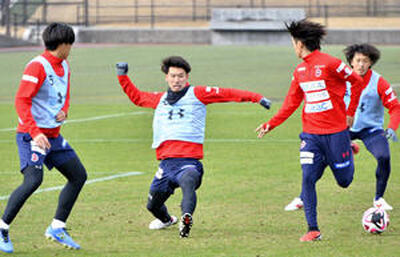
(375,220)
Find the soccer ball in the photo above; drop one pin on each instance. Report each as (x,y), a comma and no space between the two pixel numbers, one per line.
(375,220)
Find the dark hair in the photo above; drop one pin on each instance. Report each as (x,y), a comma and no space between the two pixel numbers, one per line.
(366,49)
(309,33)
(56,34)
(175,61)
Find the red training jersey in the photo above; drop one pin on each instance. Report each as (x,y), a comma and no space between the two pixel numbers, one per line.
(207,95)
(32,79)
(320,80)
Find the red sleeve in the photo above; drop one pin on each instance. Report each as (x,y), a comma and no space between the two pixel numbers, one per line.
(208,95)
(139,98)
(292,102)
(345,73)
(66,104)
(390,101)
(32,80)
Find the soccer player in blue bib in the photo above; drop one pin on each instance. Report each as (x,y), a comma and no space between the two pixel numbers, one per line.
(377,94)
(178,135)
(42,103)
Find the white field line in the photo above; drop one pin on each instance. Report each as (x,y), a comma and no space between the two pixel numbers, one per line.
(102,117)
(91,181)
(138,140)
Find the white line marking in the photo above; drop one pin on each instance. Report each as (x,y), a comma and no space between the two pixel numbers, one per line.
(91,181)
(143,140)
(102,117)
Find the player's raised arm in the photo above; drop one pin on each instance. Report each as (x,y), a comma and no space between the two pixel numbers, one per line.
(139,98)
(208,95)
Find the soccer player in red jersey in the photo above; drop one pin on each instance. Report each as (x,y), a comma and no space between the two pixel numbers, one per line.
(178,135)
(320,80)
(42,103)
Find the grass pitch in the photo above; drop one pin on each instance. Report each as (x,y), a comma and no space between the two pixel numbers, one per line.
(247,181)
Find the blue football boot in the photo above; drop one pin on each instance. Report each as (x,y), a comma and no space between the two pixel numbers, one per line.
(61,236)
(5,242)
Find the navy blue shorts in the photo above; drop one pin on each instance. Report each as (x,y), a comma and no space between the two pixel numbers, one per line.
(32,155)
(332,149)
(169,172)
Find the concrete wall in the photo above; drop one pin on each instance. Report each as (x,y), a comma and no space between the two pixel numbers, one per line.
(372,36)
(145,36)
(6,41)
(206,36)
(234,37)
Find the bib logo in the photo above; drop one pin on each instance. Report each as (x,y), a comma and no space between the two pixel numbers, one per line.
(34,157)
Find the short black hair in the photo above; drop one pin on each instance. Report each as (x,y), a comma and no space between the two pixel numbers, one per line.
(366,49)
(57,34)
(309,33)
(175,61)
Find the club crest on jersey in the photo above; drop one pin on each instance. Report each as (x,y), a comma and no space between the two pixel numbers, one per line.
(318,72)
(302,144)
(34,157)
(51,79)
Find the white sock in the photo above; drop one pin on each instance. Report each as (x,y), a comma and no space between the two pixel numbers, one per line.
(57,224)
(4,225)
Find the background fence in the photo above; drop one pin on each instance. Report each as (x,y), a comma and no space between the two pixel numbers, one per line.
(16,13)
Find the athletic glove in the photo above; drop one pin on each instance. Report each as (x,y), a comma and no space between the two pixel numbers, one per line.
(265,103)
(391,134)
(122,68)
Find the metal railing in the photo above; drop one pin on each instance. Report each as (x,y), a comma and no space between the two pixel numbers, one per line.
(23,13)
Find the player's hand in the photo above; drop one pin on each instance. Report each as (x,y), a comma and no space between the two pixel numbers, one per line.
(349,121)
(122,68)
(42,141)
(61,116)
(265,103)
(262,130)
(391,134)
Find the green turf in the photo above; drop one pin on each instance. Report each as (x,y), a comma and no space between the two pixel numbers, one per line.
(247,182)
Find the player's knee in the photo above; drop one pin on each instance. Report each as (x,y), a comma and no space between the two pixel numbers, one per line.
(82,177)
(383,158)
(151,205)
(153,202)
(190,179)
(345,182)
(33,177)
(76,172)
(309,178)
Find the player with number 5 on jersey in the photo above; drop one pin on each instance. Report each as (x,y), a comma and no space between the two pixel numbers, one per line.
(178,135)
(42,103)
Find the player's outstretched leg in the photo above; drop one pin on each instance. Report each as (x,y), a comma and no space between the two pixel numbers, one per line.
(378,145)
(33,177)
(156,206)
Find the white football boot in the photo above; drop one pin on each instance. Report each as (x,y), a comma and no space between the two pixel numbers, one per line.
(158,224)
(295,205)
(381,203)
